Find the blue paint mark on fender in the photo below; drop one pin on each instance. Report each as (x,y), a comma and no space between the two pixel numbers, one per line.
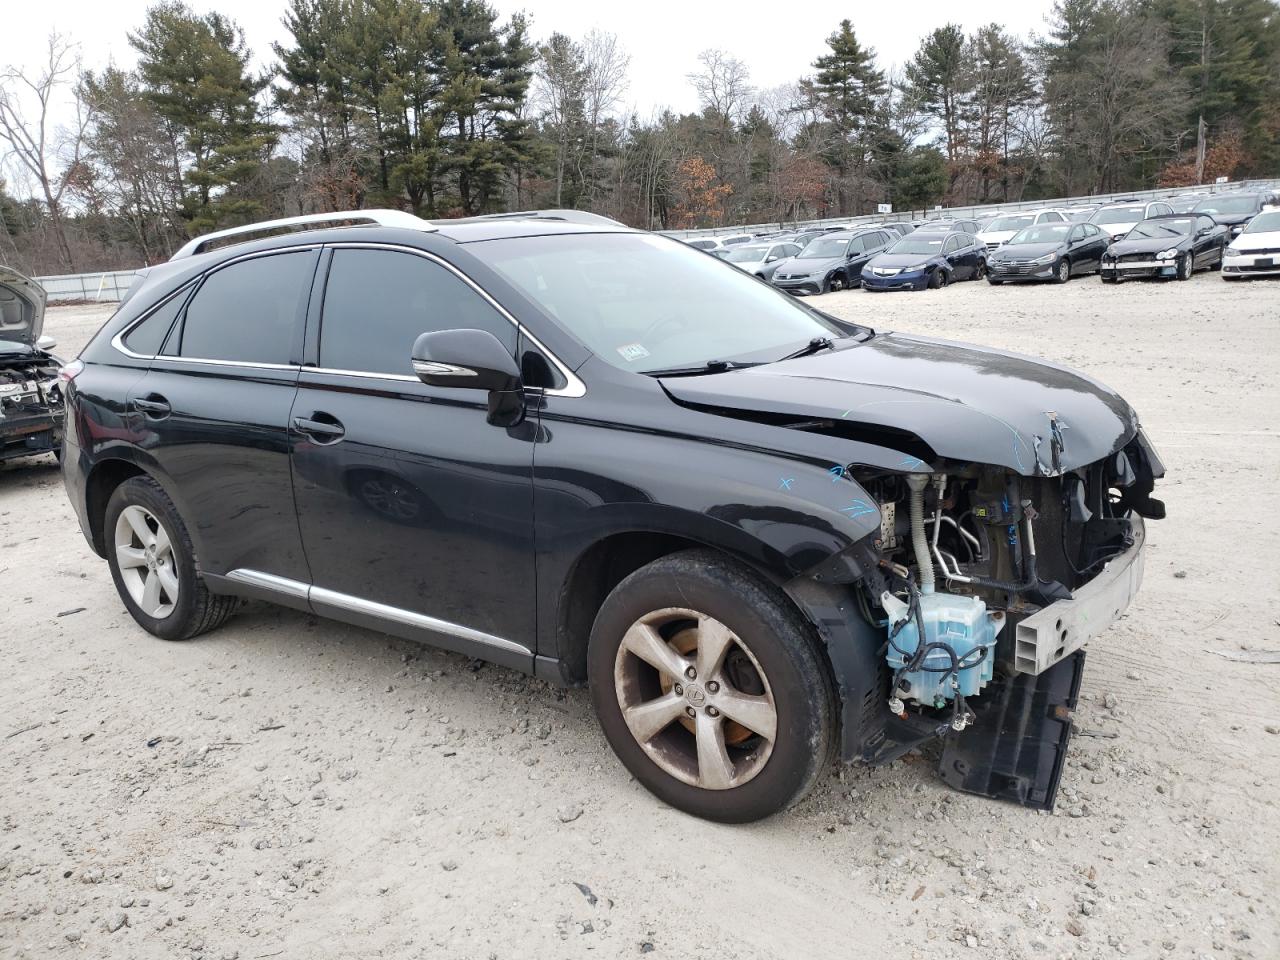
(786,482)
(858,508)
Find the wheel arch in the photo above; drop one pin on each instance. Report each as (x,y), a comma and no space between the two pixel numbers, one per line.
(102,481)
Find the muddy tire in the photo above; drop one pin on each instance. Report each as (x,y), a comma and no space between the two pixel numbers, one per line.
(154,566)
(710,687)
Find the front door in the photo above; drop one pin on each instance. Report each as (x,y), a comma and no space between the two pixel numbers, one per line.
(211,415)
(415,511)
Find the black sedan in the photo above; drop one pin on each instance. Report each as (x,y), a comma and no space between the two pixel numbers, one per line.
(1048,251)
(1174,245)
(925,259)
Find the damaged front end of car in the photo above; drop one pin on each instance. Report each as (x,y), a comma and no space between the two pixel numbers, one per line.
(31,398)
(985,587)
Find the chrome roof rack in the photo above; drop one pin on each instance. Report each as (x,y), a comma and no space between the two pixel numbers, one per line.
(314,221)
(568,216)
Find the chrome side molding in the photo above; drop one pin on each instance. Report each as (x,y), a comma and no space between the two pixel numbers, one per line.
(381,611)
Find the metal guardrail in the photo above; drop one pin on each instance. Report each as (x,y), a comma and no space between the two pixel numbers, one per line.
(975,211)
(106,287)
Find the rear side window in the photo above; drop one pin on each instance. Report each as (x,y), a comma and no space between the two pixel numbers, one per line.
(148,337)
(378,302)
(248,312)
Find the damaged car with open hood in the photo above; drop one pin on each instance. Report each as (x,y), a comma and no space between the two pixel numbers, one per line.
(764,537)
(30,395)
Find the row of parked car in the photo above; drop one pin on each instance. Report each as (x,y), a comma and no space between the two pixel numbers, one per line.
(1237,233)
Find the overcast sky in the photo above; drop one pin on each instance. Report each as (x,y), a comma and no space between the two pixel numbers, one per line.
(778,41)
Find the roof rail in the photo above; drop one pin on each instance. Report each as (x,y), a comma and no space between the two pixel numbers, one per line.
(315,221)
(568,216)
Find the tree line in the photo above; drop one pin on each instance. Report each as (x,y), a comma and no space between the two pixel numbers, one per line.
(441,108)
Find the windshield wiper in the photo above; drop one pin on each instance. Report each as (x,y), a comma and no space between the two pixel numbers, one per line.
(813,346)
(711,366)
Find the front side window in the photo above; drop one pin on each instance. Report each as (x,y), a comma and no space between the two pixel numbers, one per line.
(248,312)
(378,302)
(644,303)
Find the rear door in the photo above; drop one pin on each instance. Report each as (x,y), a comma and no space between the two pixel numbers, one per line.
(961,255)
(415,511)
(211,414)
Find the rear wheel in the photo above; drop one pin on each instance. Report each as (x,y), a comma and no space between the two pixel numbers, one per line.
(710,688)
(154,565)
(981,271)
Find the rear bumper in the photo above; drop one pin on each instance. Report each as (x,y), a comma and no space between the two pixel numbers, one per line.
(1058,630)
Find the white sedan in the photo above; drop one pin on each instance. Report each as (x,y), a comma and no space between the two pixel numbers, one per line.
(1001,230)
(1256,251)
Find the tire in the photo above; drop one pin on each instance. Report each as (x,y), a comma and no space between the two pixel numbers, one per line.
(981,271)
(1062,270)
(936,280)
(1185,267)
(771,657)
(194,610)
(833,283)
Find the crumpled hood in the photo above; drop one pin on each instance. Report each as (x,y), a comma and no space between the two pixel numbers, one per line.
(965,402)
(1144,245)
(21,307)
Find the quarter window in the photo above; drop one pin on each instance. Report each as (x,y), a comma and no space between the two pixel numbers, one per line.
(148,336)
(378,302)
(248,312)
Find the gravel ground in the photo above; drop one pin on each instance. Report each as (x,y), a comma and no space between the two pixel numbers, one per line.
(293,787)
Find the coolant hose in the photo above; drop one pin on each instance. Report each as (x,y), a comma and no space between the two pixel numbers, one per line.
(919,542)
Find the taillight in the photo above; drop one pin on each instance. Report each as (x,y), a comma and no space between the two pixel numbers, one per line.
(70,371)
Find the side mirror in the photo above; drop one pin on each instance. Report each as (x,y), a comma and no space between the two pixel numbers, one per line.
(770,259)
(46,343)
(475,360)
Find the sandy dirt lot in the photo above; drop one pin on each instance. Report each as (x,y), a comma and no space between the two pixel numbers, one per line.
(290,787)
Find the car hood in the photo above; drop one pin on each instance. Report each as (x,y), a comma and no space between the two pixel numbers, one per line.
(1117,229)
(995,236)
(21,307)
(964,402)
(899,260)
(1257,241)
(806,266)
(1025,251)
(1145,245)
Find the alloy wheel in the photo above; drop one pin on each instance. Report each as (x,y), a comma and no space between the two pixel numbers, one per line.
(144,554)
(695,698)
(1064,271)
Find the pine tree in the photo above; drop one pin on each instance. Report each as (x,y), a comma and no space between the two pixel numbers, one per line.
(194,70)
(938,81)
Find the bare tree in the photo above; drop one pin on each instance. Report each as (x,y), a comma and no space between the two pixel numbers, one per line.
(51,156)
(723,85)
(606,63)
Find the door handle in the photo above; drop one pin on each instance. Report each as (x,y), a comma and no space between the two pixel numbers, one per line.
(153,405)
(320,431)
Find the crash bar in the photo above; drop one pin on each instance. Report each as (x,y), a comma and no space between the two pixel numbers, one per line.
(382,218)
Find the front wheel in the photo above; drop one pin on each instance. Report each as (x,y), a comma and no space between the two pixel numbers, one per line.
(710,688)
(936,280)
(834,282)
(1184,267)
(1062,272)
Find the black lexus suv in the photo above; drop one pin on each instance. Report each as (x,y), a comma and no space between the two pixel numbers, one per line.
(764,536)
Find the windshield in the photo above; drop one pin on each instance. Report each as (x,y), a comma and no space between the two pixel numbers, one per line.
(1161,229)
(1228,205)
(1081,215)
(1045,233)
(917,245)
(825,249)
(1264,222)
(746,254)
(643,302)
(1120,215)
(1009,223)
